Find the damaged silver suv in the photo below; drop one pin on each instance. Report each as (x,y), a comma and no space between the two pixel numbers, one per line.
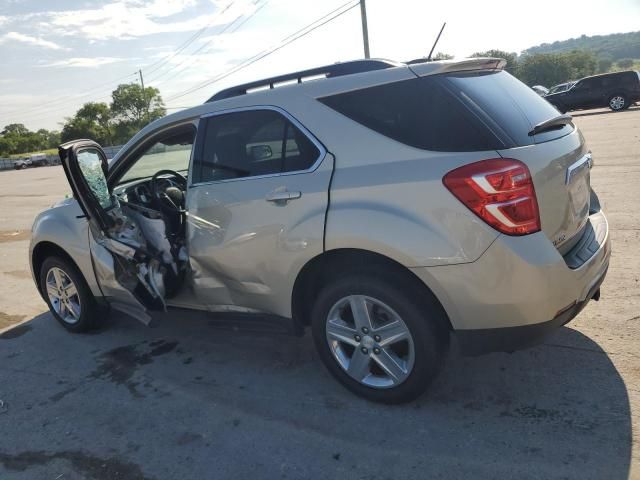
(388,207)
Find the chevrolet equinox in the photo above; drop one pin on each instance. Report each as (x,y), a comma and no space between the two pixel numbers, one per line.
(388,207)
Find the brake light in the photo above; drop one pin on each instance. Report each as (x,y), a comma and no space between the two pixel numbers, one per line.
(500,191)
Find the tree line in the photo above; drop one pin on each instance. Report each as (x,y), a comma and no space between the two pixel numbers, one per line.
(114,123)
(549,69)
(612,48)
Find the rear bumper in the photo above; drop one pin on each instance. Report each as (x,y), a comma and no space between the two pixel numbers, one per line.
(521,288)
(508,339)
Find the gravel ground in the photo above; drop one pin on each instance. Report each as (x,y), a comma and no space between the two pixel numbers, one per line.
(221,396)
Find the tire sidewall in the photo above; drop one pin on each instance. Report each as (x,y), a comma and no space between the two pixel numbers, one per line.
(88,313)
(428,341)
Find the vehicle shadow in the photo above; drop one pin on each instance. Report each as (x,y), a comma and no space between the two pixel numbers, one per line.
(590,113)
(244,384)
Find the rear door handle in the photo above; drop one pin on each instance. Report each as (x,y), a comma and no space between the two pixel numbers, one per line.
(282,196)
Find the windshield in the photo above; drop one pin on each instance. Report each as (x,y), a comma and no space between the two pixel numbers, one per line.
(172,153)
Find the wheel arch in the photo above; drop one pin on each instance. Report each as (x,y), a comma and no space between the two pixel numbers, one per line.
(329,264)
(45,249)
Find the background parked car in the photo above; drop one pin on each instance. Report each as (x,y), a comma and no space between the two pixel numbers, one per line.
(614,90)
(562,87)
(540,90)
(22,163)
(35,160)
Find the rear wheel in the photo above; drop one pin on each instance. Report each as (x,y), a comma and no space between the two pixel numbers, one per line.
(618,102)
(68,295)
(376,339)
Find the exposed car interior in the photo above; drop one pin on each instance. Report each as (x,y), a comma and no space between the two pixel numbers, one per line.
(150,216)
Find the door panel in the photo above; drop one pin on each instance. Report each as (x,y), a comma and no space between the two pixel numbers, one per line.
(248,238)
(126,277)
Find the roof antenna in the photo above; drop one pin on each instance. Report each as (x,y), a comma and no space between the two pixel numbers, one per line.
(436,42)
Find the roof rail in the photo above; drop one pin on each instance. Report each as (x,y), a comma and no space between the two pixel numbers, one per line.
(328,71)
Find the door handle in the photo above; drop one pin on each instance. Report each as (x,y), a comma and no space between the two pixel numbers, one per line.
(282,196)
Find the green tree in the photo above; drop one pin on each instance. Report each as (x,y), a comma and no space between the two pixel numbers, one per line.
(442,56)
(15,138)
(552,68)
(583,63)
(131,109)
(510,57)
(15,129)
(544,69)
(605,64)
(93,121)
(625,63)
(133,105)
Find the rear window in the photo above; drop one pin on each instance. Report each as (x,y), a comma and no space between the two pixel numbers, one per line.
(453,112)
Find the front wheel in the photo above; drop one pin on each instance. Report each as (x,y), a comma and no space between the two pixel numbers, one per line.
(68,295)
(618,102)
(377,339)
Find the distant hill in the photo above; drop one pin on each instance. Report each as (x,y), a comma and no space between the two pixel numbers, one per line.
(615,46)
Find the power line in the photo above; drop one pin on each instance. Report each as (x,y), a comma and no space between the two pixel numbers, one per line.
(240,25)
(71,97)
(265,53)
(196,51)
(189,41)
(55,104)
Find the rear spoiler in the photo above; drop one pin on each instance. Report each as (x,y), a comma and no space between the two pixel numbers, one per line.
(448,66)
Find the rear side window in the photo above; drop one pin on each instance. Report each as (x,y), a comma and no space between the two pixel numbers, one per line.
(505,100)
(469,111)
(419,112)
(251,143)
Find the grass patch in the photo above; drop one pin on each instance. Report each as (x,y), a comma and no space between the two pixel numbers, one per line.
(17,156)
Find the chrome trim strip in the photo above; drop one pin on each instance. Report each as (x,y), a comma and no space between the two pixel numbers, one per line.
(321,148)
(577,167)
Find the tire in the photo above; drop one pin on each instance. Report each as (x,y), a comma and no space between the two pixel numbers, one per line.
(23,166)
(86,314)
(386,296)
(618,102)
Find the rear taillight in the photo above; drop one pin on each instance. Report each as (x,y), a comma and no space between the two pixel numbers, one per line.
(500,191)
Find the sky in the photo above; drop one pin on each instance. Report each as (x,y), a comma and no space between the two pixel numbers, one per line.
(56,55)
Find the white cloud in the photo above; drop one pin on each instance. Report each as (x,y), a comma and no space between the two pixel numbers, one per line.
(29,40)
(125,19)
(85,62)
(3,19)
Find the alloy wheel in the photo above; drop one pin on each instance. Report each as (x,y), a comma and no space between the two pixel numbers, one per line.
(370,341)
(617,103)
(63,295)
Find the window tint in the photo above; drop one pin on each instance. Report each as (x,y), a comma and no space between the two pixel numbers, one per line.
(591,83)
(469,111)
(171,153)
(251,143)
(419,112)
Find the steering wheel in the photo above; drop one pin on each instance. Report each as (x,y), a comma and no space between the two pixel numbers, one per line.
(169,197)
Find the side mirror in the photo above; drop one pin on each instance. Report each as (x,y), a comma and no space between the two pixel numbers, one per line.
(260,152)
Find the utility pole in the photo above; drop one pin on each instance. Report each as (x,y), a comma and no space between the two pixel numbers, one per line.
(144,95)
(365,29)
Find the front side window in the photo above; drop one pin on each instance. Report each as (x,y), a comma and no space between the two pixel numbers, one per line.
(252,143)
(170,153)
